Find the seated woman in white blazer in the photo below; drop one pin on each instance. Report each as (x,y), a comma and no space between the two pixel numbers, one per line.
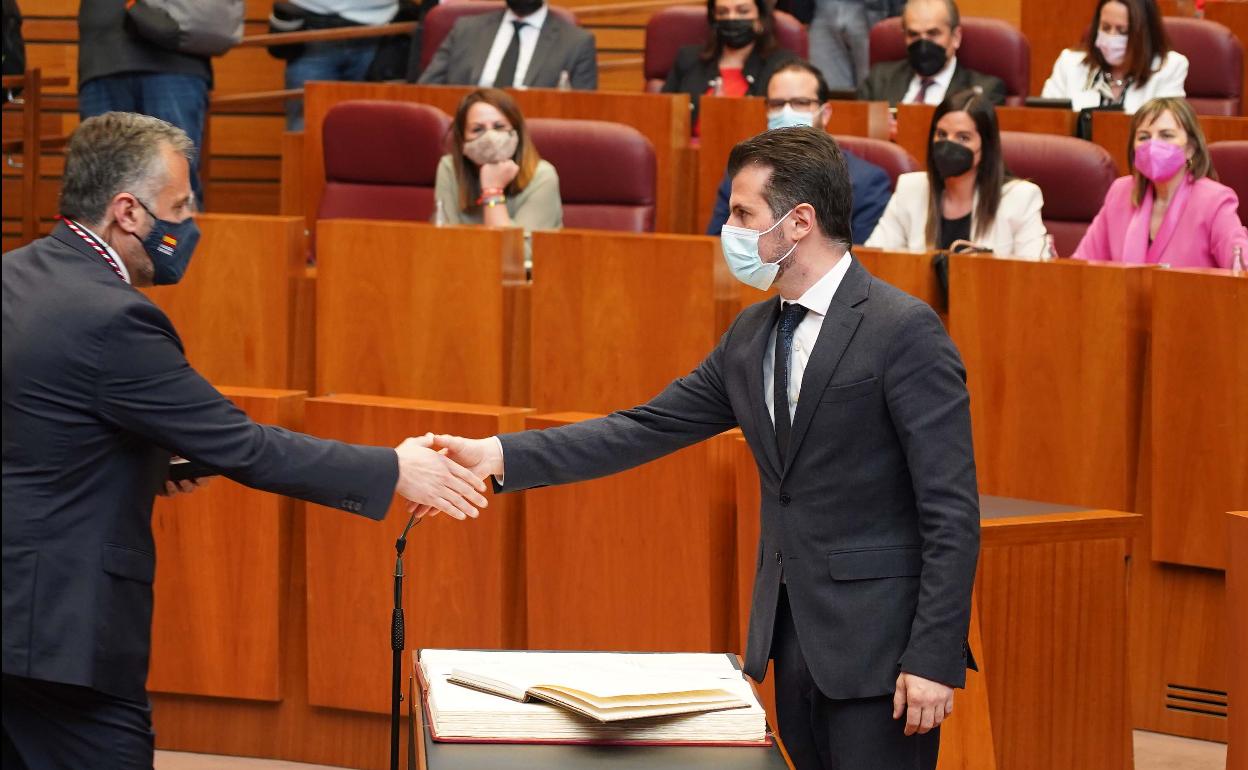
(965,197)
(1126,60)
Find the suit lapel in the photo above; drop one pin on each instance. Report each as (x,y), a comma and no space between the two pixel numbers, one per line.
(491,23)
(900,81)
(838,329)
(756,348)
(545,44)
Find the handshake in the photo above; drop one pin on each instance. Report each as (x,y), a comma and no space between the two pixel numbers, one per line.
(446,473)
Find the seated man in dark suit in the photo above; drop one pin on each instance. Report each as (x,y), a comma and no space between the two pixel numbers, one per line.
(525,46)
(798,95)
(930,70)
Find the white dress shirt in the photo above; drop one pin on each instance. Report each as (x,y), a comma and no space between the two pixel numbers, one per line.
(528,43)
(936,92)
(121,263)
(816,300)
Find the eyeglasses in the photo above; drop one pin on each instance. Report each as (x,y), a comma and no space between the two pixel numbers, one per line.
(801,104)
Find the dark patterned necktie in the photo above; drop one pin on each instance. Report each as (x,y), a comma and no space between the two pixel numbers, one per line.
(507,69)
(790,316)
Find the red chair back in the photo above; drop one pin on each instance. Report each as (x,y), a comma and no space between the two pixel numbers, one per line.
(673,28)
(381,159)
(991,46)
(606,172)
(1052,162)
(1215,72)
(440,18)
(893,159)
(1230,160)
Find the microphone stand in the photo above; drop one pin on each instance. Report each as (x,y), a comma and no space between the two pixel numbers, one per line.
(397,642)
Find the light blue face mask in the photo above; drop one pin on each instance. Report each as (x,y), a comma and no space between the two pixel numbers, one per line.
(740,247)
(789,117)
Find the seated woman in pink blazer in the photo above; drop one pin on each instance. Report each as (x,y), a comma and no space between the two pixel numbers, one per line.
(1171,210)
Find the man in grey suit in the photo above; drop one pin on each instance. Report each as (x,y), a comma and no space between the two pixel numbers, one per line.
(528,45)
(97,394)
(870,513)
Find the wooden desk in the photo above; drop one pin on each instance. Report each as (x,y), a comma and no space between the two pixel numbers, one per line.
(1199,369)
(465,578)
(662,118)
(616,317)
(244,309)
(910,271)
(1054,353)
(208,639)
(726,121)
(635,561)
(1237,636)
(393,310)
(1111,130)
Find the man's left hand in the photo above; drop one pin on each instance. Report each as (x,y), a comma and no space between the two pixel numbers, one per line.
(924,702)
(184,486)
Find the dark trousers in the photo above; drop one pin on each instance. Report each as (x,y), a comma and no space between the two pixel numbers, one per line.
(825,734)
(178,99)
(51,726)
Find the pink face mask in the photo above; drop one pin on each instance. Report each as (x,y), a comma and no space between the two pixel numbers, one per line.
(1159,160)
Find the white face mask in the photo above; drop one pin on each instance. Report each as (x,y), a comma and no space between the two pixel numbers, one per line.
(740,246)
(789,117)
(1112,47)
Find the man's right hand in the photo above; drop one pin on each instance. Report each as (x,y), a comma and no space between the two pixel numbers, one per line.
(481,456)
(428,477)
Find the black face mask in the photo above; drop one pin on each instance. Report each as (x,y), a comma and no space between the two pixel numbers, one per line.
(524,7)
(735,33)
(951,158)
(926,58)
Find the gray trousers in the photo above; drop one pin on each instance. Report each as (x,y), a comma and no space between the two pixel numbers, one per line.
(840,33)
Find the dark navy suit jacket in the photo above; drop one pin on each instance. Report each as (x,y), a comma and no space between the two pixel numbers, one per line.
(871,188)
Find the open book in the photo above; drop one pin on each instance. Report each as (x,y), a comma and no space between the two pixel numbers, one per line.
(589,697)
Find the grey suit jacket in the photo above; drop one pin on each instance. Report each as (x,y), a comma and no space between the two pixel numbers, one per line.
(888,81)
(561,47)
(874,514)
(97,393)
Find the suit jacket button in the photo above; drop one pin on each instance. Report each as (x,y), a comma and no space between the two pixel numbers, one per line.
(779,559)
(785,499)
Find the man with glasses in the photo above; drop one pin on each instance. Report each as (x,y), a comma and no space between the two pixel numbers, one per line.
(797,95)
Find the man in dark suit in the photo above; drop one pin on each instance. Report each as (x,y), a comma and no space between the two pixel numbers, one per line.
(930,71)
(798,95)
(97,394)
(527,45)
(853,400)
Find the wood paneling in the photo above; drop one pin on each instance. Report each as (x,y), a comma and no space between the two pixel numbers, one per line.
(605,334)
(224,552)
(662,118)
(1199,413)
(292,173)
(1054,354)
(1237,638)
(1111,130)
(1049,27)
(237,310)
(464,584)
(413,310)
(914,121)
(907,270)
(609,569)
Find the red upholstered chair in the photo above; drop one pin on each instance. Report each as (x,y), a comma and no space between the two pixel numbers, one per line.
(1215,74)
(381,159)
(606,172)
(990,46)
(1073,174)
(1230,160)
(886,155)
(440,18)
(672,28)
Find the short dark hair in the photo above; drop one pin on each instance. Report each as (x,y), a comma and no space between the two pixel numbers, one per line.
(806,167)
(801,65)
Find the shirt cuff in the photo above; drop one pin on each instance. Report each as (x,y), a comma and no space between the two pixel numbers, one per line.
(498,477)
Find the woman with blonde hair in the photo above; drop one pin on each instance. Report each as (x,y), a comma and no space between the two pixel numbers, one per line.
(492,174)
(1171,209)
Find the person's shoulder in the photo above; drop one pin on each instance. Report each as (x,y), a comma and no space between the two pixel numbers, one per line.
(1020,189)
(912,182)
(886,70)
(1072,58)
(545,170)
(1213,190)
(887,301)
(687,55)
(1173,60)
(479,21)
(863,169)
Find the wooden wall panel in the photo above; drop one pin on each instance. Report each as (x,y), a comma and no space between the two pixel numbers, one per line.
(909,271)
(1237,639)
(1199,372)
(1111,130)
(641,560)
(1049,27)
(464,584)
(236,309)
(663,119)
(606,334)
(1054,354)
(413,310)
(223,552)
